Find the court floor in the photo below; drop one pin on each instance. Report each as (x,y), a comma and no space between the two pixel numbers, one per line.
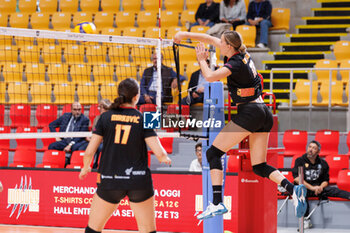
(38,229)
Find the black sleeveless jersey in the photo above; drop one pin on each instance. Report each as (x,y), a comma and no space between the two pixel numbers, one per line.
(124,161)
(243,83)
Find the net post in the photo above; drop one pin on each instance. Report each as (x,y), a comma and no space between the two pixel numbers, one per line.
(159,74)
(301,181)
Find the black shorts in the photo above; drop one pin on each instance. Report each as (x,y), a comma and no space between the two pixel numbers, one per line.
(115,196)
(254,117)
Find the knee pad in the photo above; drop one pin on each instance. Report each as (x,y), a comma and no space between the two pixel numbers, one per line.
(263,169)
(89,230)
(214,158)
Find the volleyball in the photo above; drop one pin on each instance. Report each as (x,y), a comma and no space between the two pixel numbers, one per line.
(85,27)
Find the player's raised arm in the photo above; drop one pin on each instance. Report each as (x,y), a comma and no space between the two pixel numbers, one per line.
(205,38)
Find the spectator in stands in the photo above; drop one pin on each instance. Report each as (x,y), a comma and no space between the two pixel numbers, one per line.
(103,106)
(207,14)
(70,122)
(195,88)
(259,15)
(316,177)
(233,12)
(196,164)
(148,83)
(1,187)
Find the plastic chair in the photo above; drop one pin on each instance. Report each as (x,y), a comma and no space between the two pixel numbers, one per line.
(104,19)
(112,31)
(323,75)
(48,5)
(87,93)
(167,143)
(171,31)
(4,19)
(109,91)
(39,20)
(45,114)
(294,142)
(27,6)
(19,20)
(46,141)
(150,5)
(40,93)
(61,20)
(76,161)
(13,72)
(53,159)
(8,6)
(126,70)
(9,53)
(329,140)
(68,5)
(153,32)
(81,74)
(26,144)
(4,158)
(302,92)
(103,73)
(344,180)
(110,5)
(89,5)
(64,93)
(5,143)
(73,53)
(233,163)
(148,108)
(147,19)
(52,54)
(29,54)
(93,112)
(125,19)
(174,5)
(345,74)
(132,31)
(68,108)
(96,54)
(336,163)
(17,93)
(342,50)
(35,72)
(2,93)
(193,4)
(24,158)
(134,5)
(170,18)
(337,94)
(280,18)
(200,29)
(248,34)
(57,73)
(82,17)
(188,17)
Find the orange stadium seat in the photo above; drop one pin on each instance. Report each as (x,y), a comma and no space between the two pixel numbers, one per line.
(82,17)
(329,140)
(280,18)
(64,93)
(112,31)
(110,5)
(248,34)
(103,73)
(118,53)
(76,161)
(41,93)
(74,53)
(193,4)
(28,6)
(153,32)
(174,5)
(188,17)
(171,31)
(48,5)
(96,54)
(35,72)
(4,19)
(134,5)
(141,54)
(9,53)
(57,73)
(26,144)
(323,75)
(345,74)
(24,158)
(147,19)
(150,5)
(68,5)
(80,73)
(344,180)
(19,20)
(8,6)
(52,53)
(342,50)
(17,93)
(29,53)
(200,29)
(2,93)
(104,19)
(20,115)
(294,142)
(109,91)
(336,163)
(302,92)
(61,20)
(337,94)
(126,70)
(39,20)
(45,114)
(125,19)
(89,5)
(133,31)
(12,72)
(4,158)
(5,143)
(87,93)
(53,159)
(170,18)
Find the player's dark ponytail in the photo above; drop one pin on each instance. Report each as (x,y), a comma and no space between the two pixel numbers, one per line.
(127,90)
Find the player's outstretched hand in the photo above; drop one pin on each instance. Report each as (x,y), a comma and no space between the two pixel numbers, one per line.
(164,159)
(84,172)
(202,53)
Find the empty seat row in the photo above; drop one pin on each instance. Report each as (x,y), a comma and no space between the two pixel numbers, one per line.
(332,65)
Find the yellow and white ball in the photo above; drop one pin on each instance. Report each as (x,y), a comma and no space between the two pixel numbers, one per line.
(85,27)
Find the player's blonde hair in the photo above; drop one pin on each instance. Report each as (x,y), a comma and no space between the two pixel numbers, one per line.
(234,39)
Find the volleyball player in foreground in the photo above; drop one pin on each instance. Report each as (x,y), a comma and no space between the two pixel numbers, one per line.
(253,118)
(123,169)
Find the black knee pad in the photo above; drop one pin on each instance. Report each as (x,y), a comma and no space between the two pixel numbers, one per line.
(89,230)
(263,169)
(153,232)
(214,158)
